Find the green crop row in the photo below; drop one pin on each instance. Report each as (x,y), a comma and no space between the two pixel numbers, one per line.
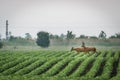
(71,66)
(96,66)
(19,66)
(44,67)
(31,67)
(66,64)
(58,67)
(12,63)
(108,68)
(83,66)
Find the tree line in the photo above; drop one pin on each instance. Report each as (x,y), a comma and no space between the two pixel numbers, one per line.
(70,35)
(43,37)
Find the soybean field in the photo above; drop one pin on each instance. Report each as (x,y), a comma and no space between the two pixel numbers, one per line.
(59,65)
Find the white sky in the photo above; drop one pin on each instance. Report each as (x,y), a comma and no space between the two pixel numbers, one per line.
(87,17)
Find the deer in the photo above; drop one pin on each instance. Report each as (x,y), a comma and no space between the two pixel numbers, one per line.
(83,48)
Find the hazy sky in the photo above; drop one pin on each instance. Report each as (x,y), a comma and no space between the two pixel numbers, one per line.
(87,17)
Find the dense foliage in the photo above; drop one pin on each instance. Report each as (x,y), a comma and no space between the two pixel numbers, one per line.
(1,44)
(43,39)
(70,35)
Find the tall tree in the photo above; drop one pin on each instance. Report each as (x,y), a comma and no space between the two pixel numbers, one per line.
(102,35)
(117,35)
(1,44)
(82,36)
(70,35)
(43,39)
(28,36)
(62,36)
(51,36)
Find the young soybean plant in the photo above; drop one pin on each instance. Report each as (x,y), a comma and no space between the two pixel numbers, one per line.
(58,67)
(111,66)
(108,68)
(31,67)
(74,64)
(82,67)
(70,68)
(19,66)
(117,75)
(95,67)
(44,67)
(13,63)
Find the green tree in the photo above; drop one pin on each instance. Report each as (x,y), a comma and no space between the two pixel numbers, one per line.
(117,35)
(51,36)
(12,38)
(62,36)
(112,37)
(93,37)
(70,35)
(1,44)
(28,36)
(43,39)
(83,36)
(102,35)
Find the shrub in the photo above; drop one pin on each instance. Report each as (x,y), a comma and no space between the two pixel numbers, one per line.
(1,44)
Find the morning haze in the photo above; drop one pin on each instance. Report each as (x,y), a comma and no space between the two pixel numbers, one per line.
(87,17)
